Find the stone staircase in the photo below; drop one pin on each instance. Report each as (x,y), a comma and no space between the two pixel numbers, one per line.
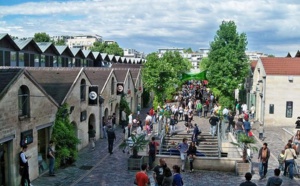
(208,146)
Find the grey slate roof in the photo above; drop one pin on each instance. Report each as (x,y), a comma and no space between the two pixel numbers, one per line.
(64,48)
(55,81)
(6,38)
(2,35)
(98,76)
(126,65)
(8,75)
(23,43)
(46,45)
(120,74)
(88,54)
(77,52)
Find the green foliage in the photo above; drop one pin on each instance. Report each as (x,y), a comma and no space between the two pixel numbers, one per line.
(170,92)
(41,37)
(157,102)
(60,42)
(161,74)
(124,105)
(188,50)
(112,49)
(64,137)
(139,143)
(271,55)
(245,142)
(227,64)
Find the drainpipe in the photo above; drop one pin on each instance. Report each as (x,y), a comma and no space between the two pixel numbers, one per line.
(263,100)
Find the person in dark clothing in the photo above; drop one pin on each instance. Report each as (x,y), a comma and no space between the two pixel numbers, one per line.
(195,135)
(263,156)
(248,181)
(152,152)
(51,158)
(213,124)
(24,167)
(191,153)
(298,123)
(111,136)
(230,121)
(275,180)
(158,172)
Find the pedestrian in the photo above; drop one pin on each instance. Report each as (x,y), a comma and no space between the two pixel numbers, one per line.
(230,122)
(24,167)
(51,158)
(158,172)
(180,113)
(261,131)
(213,120)
(127,138)
(280,159)
(247,127)
(239,127)
(205,109)
(152,151)
(111,137)
(298,123)
(123,118)
(199,108)
(196,133)
(183,148)
(113,119)
(130,119)
(252,112)
(248,181)
(172,124)
(275,180)
(296,141)
(168,177)
(289,156)
(177,179)
(141,177)
(263,156)
(192,155)
(92,134)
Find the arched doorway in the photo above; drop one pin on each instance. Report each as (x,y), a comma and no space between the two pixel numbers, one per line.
(92,121)
(105,114)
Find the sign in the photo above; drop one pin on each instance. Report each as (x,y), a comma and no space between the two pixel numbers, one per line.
(26,137)
(93,95)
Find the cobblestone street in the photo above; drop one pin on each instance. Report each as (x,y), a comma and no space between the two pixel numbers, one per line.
(98,168)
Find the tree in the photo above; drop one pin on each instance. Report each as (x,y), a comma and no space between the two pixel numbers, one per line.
(188,50)
(59,42)
(245,142)
(41,37)
(227,64)
(161,74)
(113,49)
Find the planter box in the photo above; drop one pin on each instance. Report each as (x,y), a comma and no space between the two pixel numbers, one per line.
(242,168)
(135,163)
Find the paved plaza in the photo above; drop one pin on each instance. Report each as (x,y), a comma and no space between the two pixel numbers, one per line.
(99,168)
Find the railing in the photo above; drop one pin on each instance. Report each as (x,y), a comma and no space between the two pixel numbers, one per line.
(219,140)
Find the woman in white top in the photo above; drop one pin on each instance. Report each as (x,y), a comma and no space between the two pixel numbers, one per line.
(289,155)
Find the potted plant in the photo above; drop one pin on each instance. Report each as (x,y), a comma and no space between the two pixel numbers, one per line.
(244,142)
(137,144)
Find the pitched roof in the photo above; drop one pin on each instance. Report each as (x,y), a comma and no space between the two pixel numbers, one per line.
(281,65)
(120,74)
(8,75)
(44,46)
(5,38)
(135,72)
(55,81)
(98,76)
(22,44)
(126,65)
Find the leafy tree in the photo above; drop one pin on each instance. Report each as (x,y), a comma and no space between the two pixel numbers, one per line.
(188,50)
(64,137)
(59,42)
(41,37)
(160,74)
(227,64)
(112,49)
(271,55)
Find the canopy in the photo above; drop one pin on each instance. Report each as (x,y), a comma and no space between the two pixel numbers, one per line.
(194,76)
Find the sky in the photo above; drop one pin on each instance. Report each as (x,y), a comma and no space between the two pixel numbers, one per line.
(271,26)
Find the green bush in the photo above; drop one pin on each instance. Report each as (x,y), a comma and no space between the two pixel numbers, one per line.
(64,137)
(124,105)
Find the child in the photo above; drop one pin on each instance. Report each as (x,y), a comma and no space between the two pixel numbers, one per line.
(261,132)
(281,161)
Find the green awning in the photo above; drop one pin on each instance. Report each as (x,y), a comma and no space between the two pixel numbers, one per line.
(194,76)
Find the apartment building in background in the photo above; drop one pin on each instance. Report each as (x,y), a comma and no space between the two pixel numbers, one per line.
(83,42)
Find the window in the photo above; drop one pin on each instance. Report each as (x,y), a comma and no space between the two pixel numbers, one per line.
(271,109)
(112,86)
(23,101)
(82,90)
(289,109)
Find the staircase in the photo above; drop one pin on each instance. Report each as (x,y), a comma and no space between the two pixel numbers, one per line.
(208,146)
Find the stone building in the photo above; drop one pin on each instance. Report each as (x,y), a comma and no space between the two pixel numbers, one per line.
(276,90)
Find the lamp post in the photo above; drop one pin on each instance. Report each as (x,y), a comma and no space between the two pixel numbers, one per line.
(101,101)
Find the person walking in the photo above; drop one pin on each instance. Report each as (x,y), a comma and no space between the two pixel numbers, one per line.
(247,127)
(196,133)
(275,180)
(183,148)
(213,120)
(51,158)
(289,156)
(158,172)
(168,177)
(248,181)
(152,152)
(177,179)
(199,108)
(263,156)
(24,167)
(141,177)
(111,137)
(123,118)
(192,155)
(92,134)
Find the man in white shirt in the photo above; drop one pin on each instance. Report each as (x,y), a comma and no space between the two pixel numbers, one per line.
(252,110)
(130,119)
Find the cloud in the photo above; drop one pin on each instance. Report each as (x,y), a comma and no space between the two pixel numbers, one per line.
(149,24)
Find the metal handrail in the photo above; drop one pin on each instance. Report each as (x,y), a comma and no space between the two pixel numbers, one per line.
(219,139)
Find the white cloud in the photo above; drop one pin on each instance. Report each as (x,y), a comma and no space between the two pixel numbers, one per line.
(181,23)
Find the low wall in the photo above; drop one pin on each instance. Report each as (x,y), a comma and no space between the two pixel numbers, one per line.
(201,163)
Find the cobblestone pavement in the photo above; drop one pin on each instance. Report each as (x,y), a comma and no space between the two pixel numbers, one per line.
(111,170)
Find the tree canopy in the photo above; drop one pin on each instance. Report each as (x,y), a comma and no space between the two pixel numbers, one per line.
(161,75)
(41,37)
(59,42)
(227,64)
(112,49)
(188,50)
